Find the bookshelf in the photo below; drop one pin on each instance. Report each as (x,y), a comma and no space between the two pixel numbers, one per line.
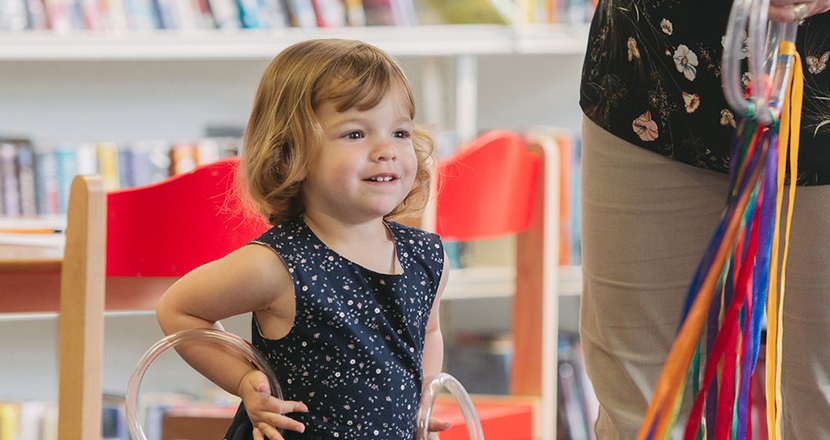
(413,41)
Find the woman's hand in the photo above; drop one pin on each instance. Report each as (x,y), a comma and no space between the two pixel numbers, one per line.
(266,411)
(793,11)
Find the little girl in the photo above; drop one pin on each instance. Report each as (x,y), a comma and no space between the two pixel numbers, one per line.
(344,301)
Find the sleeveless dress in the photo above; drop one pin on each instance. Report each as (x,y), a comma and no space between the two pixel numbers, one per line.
(354,353)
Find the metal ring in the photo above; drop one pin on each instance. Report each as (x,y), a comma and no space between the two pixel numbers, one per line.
(801,12)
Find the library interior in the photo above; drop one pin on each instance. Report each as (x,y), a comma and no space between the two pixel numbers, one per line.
(121,119)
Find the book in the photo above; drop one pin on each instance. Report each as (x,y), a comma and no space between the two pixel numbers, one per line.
(403,12)
(9,420)
(457,12)
(13,15)
(114,418)
(115,16)
(572,414)
(107,156)
(58,16)
(46,179)
(9,188)
(183,158)
(93,14)
(149,161)
(330,13)
(378,13)
(141,15)
(225,14)
(355,15)
(26,179)
(37,15)
(301,13)
(67,168)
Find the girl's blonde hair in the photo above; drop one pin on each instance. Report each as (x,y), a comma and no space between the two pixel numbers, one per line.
(283,132)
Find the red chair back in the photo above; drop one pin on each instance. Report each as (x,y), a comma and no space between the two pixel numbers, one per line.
(169,228)
(487,189)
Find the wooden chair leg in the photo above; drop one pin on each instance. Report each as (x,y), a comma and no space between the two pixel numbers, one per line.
(82,312)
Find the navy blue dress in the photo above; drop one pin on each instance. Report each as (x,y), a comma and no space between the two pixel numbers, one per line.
(354,353)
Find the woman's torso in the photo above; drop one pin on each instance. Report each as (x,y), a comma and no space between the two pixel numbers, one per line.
(652,77)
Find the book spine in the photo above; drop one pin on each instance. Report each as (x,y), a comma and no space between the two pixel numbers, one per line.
(225,14)
(150,162)
(141,15)
(330,13)
(37,15)
(48,188)
(207,151)
(125,170)
(9,184)
(13,15)
(355,14)
(67,160)
(107,155)
(183,158)
(26,179)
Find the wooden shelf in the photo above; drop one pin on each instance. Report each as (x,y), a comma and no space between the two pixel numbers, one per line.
(493,282)
(415,41)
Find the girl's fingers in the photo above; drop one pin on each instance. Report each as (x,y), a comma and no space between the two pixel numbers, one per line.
(290,406)
(436,425)
(274,422)
(258,434)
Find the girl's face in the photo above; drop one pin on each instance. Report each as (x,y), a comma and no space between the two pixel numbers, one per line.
(366,164)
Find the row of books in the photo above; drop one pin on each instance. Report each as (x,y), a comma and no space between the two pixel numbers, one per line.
(36,181)
(118,16)
(578,407)
(38,420)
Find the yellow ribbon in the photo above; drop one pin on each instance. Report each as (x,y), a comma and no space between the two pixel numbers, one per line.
(788,140)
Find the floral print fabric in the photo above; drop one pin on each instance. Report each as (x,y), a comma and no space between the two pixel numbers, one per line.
(652,77)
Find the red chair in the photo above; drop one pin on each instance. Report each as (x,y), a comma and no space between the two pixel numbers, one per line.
(154,234)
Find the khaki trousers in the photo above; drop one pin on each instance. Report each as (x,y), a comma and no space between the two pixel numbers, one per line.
(646,221)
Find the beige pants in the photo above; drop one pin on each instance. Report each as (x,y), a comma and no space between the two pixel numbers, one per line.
(646,221)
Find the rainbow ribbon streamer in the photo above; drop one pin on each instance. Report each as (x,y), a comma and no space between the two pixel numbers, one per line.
(739,274)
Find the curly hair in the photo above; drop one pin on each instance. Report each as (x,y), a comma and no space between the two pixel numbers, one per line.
(284,131)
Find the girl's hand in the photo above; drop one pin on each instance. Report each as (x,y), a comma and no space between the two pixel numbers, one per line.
(435,426)
(785,10)
(266,411)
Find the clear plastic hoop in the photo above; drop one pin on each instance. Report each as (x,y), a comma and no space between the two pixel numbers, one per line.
(762,48)
(442,380)
(210,335)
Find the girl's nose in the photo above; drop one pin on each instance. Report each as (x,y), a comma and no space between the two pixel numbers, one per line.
(384,150)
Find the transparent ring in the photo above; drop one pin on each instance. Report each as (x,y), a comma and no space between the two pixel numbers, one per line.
(254,356)
(213,335)
(761,40)
(444,380)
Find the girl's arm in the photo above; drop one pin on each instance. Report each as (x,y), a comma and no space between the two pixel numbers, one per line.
(434,343)
(434,348)
(251,279)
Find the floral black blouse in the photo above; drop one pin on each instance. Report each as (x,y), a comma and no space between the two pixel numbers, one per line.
(652,77)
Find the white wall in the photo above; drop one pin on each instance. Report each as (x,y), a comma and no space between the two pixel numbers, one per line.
(53,101)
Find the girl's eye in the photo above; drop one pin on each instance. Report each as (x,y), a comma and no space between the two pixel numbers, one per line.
(402,134)
(353,135)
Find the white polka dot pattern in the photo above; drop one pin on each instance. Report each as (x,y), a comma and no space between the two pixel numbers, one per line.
(354,352)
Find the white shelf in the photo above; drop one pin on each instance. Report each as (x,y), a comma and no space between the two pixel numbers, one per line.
(493,282)
(415,41)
